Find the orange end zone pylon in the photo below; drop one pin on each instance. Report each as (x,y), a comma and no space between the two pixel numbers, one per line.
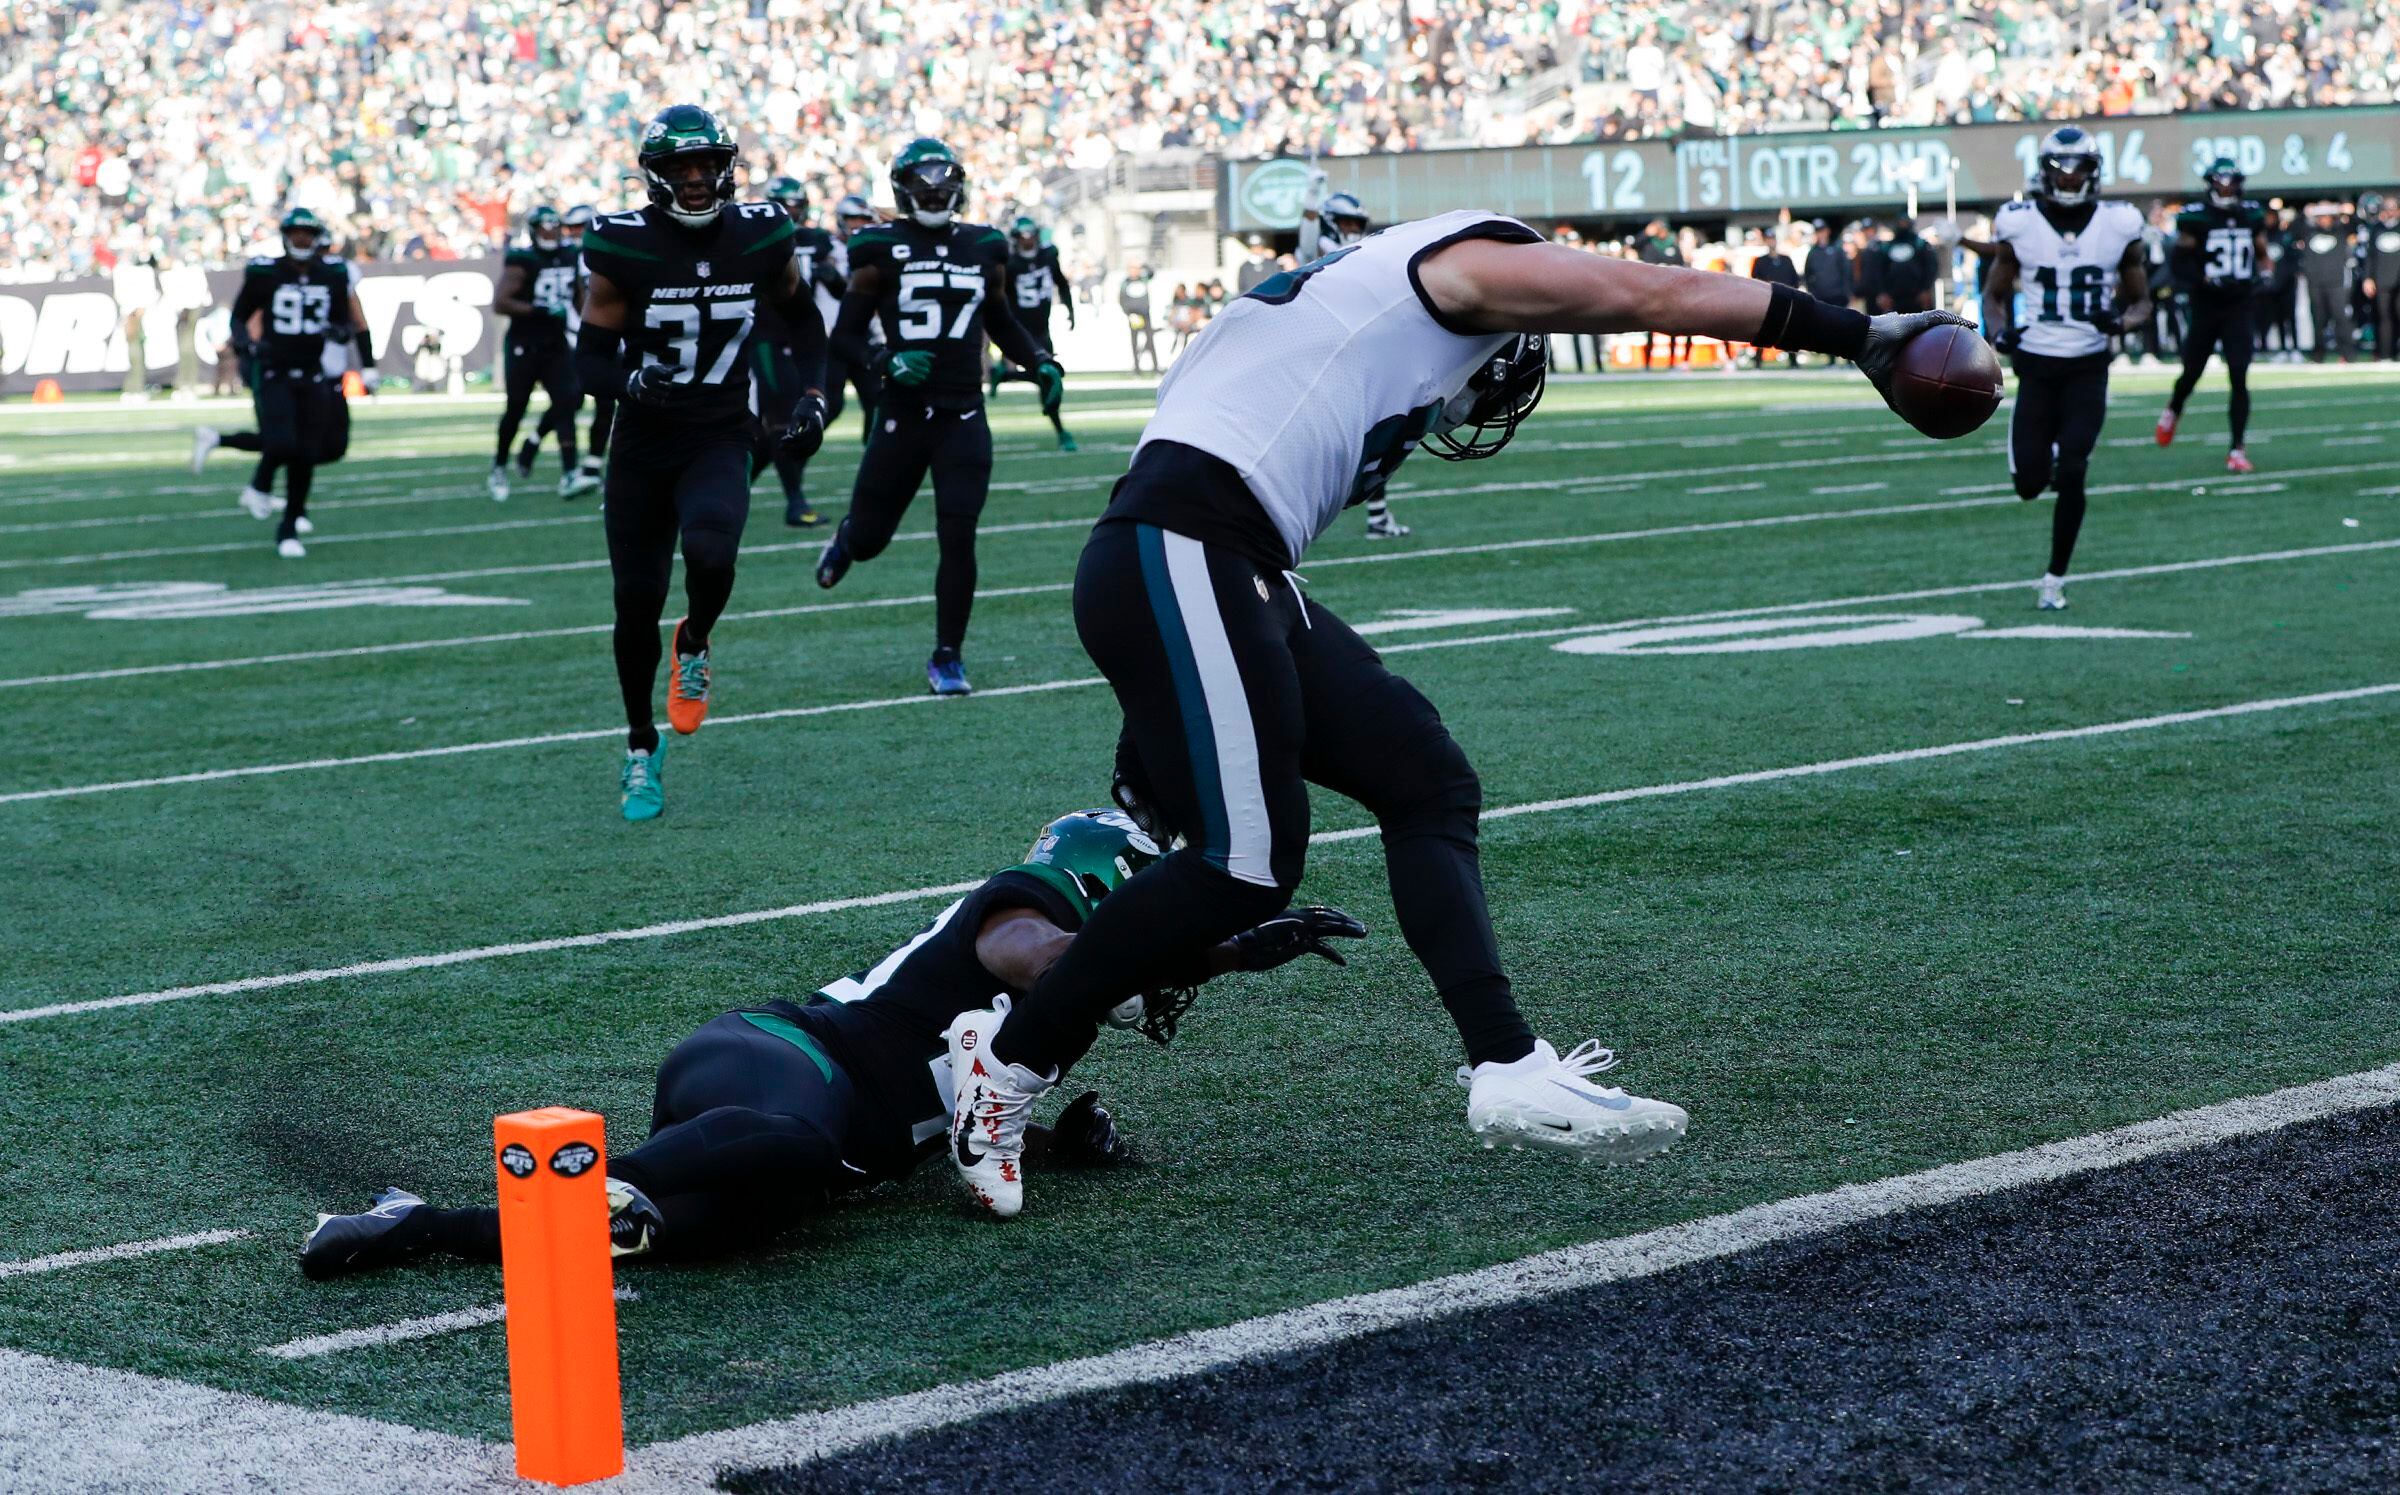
(562,1307)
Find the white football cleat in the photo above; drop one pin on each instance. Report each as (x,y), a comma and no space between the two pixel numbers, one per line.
(1545,1101)
(1385,527)
(290,548)
(987,1120)
(204,441)
(577,483)
(497,485)
(258,505)
(304,525)
(2052,594)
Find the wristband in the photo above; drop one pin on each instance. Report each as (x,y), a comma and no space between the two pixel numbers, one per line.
(1803,324)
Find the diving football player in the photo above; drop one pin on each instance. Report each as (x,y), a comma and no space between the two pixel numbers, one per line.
(2081,265)
(672,299)
(1238,691)
(541,281)
(769,1112)
(296,312)
(938,287)
(1036,283)
(2220,243)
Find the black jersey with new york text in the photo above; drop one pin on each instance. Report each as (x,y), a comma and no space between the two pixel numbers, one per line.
(930,298)
(693,298)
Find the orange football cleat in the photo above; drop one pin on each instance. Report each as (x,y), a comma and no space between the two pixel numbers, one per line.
(2237,461)
(2166,427)
(687,688)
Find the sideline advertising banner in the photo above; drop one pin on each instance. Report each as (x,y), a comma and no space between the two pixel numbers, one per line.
(75,331)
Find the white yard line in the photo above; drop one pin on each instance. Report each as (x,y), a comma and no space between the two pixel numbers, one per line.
(224,547)
(62,1260)
(593,734)
(375,1335)
(1379,557)
(406,963)
(819,1435)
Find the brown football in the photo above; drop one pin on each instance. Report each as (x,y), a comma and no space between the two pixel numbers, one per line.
(1947,381)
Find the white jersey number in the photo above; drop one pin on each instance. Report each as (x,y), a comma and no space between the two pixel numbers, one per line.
(2231,253)
(301,310)
(683,320)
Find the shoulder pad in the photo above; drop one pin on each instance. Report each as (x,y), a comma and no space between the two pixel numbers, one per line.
(518,254)
(333,260)
(978,232)
(876,233)
(265,263)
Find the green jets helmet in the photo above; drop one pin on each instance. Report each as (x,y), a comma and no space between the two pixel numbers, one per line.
(688,132)
(1088,855)
(2224,181)
(928,183)
(544,227)
(788,191)
(302,221)
(1026,232)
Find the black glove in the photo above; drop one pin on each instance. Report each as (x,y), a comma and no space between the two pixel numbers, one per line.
(2008,341)
(1130,789)
(1888,334)
(2107,324)
(1084,1136)
(651,384)
(800,440)
(339,334)
(1292,934)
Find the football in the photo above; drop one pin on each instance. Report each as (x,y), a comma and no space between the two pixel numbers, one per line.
(1947,382)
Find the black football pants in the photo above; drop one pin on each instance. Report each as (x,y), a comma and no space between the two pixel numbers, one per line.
(302,421)
(550,368)
(668,488)
(2218,325)
(746,1134)
(913,440)
(1237,695)
(2061,405)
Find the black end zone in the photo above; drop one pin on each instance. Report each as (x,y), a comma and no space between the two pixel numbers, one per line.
(2225,1319)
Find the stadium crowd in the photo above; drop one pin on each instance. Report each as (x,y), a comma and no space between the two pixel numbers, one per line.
(168,129)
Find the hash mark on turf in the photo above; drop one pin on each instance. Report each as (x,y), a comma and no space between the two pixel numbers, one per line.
(453,1322)
(62,1260)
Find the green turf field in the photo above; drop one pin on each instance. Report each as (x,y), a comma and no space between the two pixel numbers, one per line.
(1843,974)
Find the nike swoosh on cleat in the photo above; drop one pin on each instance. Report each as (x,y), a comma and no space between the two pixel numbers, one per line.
(1593,1098)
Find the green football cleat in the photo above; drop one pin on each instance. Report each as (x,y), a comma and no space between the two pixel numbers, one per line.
(643,783)
(1066,441)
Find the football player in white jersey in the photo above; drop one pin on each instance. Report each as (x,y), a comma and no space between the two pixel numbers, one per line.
(1296,401)
(1335,221)
(2083,270)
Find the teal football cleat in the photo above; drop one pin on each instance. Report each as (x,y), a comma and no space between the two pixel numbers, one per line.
(643,783)
(947,674)
(1066,440)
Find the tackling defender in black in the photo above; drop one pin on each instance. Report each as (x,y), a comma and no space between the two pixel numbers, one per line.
(293,319)
(541,282)
(2083,269)
(2220,243)
(1036,283)
(778,368)
(938,286)
(768,1113)
(674,293)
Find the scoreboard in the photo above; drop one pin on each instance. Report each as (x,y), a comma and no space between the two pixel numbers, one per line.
(1828,171)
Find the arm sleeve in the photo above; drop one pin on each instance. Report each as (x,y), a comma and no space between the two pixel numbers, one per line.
(849,339)
(807,331)
(251,297)
(599,365)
